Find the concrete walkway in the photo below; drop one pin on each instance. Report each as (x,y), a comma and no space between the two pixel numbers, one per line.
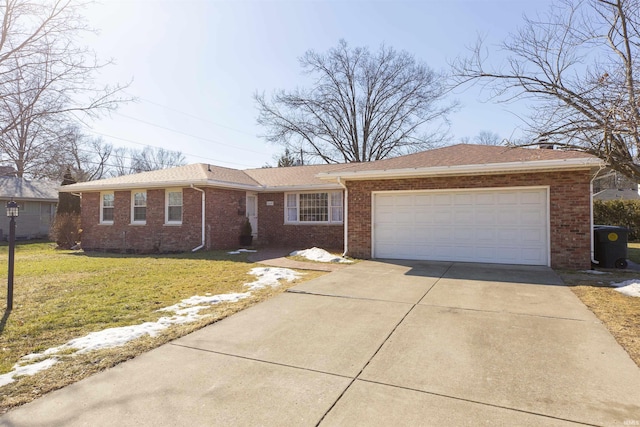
(375,344)
(277,257)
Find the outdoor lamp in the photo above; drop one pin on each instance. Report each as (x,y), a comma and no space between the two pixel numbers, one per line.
(12,212)
(12,209)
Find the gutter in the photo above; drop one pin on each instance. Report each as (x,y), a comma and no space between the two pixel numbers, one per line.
(345,217)
(489,168)
(197,248)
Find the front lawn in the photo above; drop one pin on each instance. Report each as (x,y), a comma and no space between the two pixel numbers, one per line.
(62,295)
(633,250)
(619,313)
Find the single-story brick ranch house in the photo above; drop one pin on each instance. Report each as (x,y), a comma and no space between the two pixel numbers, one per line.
(458,203)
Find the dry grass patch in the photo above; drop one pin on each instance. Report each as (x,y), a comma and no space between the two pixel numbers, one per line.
(61,295)
(620,313)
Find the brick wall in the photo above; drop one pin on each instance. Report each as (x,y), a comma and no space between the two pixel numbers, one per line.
(222,226)
(225,216)
(569,209)
(273,231)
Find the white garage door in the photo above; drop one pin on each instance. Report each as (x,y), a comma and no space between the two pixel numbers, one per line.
(507,226)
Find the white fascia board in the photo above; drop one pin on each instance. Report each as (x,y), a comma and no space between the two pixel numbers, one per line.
(293,188)
(97,186)
(484,169)
(197,183)
(158,184)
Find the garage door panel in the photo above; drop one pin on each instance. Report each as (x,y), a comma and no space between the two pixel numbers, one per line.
(532,198)
(442,199)
(485,216)
(497,226)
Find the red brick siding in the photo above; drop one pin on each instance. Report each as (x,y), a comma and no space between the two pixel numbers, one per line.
(569,209)
(222,223)
(225,216)
(274,232)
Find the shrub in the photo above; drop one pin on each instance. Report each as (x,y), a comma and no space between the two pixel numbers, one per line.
(65,230)
(623,213)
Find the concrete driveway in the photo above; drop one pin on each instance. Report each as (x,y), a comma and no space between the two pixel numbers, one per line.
(378,343)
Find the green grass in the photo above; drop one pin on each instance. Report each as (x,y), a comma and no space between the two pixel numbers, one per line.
(60,295)
(633,250)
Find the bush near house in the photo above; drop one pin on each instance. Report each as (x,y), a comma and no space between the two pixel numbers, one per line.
(623,213)
(65,230)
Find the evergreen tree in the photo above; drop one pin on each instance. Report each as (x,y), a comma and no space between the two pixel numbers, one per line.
(67,202)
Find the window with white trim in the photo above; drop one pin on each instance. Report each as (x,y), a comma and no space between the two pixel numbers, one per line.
(106,208)
(173,206)
(138,207)
(325,207)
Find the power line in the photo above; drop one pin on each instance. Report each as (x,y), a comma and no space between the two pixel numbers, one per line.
(188,134)
(189,115)
(155,146)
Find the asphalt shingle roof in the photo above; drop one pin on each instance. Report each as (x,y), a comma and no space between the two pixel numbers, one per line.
(466,154)
(307,176)
(24,189)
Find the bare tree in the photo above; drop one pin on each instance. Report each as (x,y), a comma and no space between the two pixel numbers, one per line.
(486,137)
(362,106)
(577,66)
(127,161)
(287,158)
(45,77)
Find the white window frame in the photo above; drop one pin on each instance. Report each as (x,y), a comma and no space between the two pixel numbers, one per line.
(102,207)
(167,221)
(133,206)
(330,208)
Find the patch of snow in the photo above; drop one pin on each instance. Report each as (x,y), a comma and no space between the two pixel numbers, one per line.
(628,287)
(271,276)
(185,311)
(317,254)
(594,272)
(241,250)
(31,369)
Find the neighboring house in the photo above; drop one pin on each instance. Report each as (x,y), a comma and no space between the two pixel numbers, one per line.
(37,200)
(617,194)
(459,203)
(612,185)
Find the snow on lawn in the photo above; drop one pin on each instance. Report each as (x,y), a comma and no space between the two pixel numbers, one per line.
(185,311)
(241,250)
(317,254)
(271,276)
(628,287)
(594,272)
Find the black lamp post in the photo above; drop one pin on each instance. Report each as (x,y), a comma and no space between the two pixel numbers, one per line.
(12,212)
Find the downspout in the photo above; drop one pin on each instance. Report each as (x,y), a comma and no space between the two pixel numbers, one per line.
(593,236)
(197,248)
(345,217)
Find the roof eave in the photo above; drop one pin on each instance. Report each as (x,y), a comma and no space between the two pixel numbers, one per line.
(483,169)
(197,183)
(307,187)
(87,187)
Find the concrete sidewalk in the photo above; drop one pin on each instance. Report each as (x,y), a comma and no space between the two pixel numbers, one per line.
(377,343)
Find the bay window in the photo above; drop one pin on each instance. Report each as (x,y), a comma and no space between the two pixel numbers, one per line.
(322,207)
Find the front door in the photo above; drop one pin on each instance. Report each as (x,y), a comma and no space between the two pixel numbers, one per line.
(252,213)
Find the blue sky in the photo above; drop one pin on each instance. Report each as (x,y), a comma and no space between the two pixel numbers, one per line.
(195,64)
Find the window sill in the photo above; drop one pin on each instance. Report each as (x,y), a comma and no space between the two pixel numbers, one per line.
(138,223)
(172,224)
(105,223)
